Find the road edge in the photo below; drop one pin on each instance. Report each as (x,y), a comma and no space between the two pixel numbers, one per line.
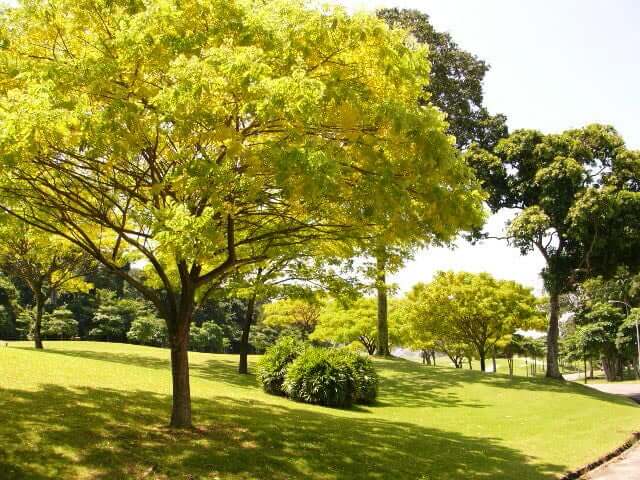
(576,474)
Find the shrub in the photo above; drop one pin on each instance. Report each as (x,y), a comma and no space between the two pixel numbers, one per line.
(366,379)
(272,367)
(331,377)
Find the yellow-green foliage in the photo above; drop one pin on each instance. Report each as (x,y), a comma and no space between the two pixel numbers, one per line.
(90,410)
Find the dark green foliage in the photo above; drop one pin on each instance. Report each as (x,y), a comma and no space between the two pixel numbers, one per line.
(321,376)
(455,81)
(366,379)
(331,377)
(209,337)
(59,325)
(272,367)
(114,316)
(148,330)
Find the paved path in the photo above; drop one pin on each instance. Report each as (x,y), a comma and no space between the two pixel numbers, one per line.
(627,465)
(631,390)
(624,467)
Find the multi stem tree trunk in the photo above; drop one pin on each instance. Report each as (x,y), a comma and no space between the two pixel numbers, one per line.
(37,324)
(244,339)
(381,287)
(553,369)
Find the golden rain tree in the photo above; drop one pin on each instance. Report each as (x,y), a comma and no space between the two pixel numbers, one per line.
(198,137)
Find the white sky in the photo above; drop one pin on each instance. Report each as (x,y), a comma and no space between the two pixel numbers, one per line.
(555,64)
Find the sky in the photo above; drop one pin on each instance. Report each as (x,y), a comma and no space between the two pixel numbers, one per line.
(555,65)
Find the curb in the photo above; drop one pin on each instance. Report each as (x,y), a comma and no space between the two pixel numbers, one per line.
(576,474)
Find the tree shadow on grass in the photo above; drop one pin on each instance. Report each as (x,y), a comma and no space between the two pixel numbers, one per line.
(93,433)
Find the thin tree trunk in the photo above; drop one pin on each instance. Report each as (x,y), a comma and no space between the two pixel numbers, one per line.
(37,324)
(181,411)
(510,363)
(381,287)
(433,355)
(495,367)
(244,339)
(553,371)
(470,365)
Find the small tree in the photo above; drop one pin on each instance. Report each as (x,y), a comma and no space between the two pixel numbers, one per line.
(208,337)
(148,330)
(45,263)
(345,324)
(472,309)
(59,324)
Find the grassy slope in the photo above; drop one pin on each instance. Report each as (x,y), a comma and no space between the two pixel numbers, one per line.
(92,410)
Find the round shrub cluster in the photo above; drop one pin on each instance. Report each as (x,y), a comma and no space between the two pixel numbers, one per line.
(321,376)
(272,367)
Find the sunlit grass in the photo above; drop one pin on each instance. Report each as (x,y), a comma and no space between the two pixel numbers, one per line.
(99,410)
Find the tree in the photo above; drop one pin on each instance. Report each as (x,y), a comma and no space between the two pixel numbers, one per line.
(114,316)
(455,81)
(354,322)
(208,337)
(45,263)
(466,309)
(9,309)
(455,88)
(148,330)
(200,136)
(577,201)
(59,324)
(302,314)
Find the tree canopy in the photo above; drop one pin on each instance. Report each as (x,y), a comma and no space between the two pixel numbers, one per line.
(475,310)
(196,137)
(576,196)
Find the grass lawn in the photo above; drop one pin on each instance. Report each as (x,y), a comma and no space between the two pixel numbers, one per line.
(98,411)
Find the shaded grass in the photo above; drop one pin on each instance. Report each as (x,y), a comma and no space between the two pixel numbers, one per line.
(97,410)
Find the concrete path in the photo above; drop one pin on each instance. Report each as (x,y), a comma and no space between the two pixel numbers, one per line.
(631,390)
(624,467)
(627,465)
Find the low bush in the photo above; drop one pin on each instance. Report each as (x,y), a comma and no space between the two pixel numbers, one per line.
(272,367)
(366,379)
(331,377)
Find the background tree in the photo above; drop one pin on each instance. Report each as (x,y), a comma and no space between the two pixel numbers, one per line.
(455,88)
(112,319)
(355,322)
(196,154)
(59,324)
(148,330)
(575,196)
(45,263)
(455,81)
(473,309)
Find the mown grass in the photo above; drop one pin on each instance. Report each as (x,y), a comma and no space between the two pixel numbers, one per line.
(98,411)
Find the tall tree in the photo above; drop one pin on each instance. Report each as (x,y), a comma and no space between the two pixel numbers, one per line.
(197,137)
(455,88)
(45,263)
(473,309)
(576,199)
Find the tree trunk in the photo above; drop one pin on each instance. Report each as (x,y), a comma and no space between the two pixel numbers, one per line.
(470,364)
(244,339)
(483,366)
(37,324)
(181,412)
(591,368)
(381,287)
(553,370)
(493,357)
(433,356)
(510,364)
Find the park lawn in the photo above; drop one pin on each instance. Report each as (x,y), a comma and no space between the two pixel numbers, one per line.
(98,411)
